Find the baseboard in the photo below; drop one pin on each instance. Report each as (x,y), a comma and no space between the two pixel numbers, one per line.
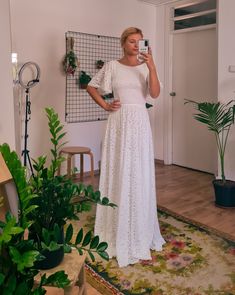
(97,171)
(86,174)
(157,161)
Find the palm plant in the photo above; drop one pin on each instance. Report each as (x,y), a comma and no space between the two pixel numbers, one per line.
(219,117)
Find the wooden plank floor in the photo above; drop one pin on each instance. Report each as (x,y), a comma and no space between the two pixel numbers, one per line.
(190,193)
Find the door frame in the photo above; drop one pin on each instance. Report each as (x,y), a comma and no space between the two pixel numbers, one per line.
(168,73)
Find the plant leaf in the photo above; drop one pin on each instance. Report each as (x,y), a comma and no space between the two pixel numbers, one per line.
(79,237)
(69,233)
(94,242)
(86,239)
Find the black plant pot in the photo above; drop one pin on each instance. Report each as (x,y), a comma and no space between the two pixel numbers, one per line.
(224,193)
(52,258)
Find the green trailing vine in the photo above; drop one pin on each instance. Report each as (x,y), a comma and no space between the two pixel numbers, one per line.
(70,62)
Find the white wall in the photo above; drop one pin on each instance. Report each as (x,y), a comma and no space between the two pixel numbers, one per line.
(38,34)
(226,80)
(7,124)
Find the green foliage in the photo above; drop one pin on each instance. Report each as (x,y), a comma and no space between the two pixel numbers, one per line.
(219,117)
(56,131)
(99,63)
(24,190)
(70,63)
(84,78)
(18,254)
(45,206)
(86,242)
(54,206)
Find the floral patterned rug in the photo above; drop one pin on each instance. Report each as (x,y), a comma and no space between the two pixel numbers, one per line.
(194,261)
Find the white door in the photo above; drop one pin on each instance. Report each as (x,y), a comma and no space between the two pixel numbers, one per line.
(194,77)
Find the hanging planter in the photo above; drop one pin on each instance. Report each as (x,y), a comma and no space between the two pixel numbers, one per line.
(70,62)
(83,80)
(99,64)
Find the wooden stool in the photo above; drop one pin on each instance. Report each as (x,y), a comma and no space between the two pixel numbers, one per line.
(78,150)
(73,265)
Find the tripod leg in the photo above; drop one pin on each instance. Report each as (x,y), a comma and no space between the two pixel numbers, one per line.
(25,152)
(30,164)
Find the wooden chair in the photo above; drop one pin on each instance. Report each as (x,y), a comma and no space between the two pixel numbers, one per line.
(70,151)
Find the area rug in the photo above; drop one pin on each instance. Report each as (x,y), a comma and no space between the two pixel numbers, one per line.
(194,261)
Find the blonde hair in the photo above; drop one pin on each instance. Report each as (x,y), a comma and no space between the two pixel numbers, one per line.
(129,31)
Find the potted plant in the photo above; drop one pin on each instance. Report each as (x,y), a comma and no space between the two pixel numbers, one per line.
(219,117)
(70,62)
(99,63)
(55,206)
(84,79)
(17,252)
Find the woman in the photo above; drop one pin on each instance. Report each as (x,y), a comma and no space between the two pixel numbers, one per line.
(127,164)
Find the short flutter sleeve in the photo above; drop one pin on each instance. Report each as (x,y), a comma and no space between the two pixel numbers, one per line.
(103,79)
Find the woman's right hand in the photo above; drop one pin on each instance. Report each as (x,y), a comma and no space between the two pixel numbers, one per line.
(113,106)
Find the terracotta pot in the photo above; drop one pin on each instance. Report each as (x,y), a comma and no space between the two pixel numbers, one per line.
(83,86)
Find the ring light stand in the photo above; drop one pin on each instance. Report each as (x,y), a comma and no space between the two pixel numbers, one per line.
(29,84)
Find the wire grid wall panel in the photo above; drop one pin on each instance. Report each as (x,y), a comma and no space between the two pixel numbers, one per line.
(88,48)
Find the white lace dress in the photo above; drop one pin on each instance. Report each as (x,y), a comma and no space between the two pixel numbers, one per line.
(127,168)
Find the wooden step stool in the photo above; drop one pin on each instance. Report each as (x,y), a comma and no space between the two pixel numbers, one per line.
(73,265)
(70,151)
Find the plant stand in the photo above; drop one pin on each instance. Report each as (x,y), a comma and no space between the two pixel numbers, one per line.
(73,265)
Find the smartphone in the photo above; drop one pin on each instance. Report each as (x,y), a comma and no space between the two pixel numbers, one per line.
(143,46)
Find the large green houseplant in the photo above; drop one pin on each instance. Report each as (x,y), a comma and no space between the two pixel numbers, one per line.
(219,118)
(17,252)
(55,206)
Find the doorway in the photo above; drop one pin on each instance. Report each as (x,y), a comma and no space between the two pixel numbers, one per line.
(192,75)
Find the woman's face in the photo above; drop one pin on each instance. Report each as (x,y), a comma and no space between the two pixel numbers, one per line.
(131,45)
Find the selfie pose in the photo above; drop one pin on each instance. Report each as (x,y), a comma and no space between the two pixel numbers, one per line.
(127,163)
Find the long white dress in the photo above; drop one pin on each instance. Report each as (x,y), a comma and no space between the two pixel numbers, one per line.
(127,168)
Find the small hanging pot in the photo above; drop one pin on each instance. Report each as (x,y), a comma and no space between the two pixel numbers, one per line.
(70,62)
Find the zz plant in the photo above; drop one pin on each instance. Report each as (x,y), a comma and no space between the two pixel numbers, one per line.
(17,253)
(54,204)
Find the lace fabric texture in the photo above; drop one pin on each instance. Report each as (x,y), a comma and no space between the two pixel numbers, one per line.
(127,169)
